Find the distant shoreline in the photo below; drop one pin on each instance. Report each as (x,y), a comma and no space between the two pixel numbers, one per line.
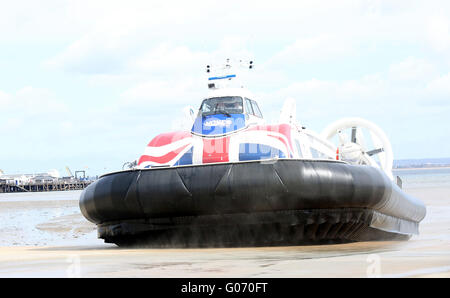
(421,168)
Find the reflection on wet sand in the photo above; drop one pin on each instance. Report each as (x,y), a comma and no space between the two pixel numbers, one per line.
(64,244)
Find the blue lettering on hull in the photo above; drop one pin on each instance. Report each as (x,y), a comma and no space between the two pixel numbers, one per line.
(218,124)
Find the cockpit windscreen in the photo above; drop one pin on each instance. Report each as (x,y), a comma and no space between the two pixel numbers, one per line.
(221,105)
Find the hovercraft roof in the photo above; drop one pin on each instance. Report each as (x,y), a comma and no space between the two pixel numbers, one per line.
(223,92)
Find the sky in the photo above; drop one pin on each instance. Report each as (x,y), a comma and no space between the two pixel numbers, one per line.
(87,84)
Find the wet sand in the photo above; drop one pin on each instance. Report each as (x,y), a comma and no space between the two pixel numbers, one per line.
(48,237)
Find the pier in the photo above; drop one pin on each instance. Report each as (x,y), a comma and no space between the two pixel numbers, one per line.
(41,187)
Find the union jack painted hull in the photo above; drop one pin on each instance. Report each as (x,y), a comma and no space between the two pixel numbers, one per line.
(187,148)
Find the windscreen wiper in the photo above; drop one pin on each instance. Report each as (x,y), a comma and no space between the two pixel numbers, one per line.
(224,112)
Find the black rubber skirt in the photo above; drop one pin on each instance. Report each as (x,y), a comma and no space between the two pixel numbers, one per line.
(274,202)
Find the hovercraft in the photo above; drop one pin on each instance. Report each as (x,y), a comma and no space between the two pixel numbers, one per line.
(234,180)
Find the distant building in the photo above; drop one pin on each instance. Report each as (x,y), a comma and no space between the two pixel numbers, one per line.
(24,179)
(44,179)
(17,179)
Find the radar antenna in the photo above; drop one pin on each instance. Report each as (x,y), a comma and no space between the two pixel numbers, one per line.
(226,72)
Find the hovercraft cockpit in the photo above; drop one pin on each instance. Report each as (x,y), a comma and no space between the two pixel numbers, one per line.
(223,114)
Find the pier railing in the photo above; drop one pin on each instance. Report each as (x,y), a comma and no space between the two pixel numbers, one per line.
(44,186)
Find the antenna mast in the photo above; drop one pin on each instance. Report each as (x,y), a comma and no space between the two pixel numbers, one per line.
(223,74)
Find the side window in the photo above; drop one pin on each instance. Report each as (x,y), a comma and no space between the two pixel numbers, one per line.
(256,109)
(317,154)
(248,106)
(299,150)
(205,107)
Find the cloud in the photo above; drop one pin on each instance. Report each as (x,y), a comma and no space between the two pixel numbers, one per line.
(318,48)
(38,101)
(411,69)
(140,35)
(439,33)
(440,86)
(4,98)
(336,92)
(30,102)
(31,114)
(120,33)
(131,67)
(156,92)
(378,97)
(166,59)
(30,121)
(96,53)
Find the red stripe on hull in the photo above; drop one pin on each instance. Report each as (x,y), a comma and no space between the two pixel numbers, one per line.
(284,129)
(162,159)
(168,138)
(216,150)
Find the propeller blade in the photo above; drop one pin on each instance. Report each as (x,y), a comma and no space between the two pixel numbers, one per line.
(360,139)
(378,144)
(353,135)
(375,151)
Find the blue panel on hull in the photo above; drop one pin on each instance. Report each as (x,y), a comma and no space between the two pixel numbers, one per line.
(257,151)
(186,159)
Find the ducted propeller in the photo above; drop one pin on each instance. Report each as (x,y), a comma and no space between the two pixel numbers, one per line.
(355,149)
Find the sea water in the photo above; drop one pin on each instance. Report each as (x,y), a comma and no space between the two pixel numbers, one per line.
(424,177)
(23,214)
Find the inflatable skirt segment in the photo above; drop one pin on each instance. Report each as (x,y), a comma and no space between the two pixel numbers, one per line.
(273,202)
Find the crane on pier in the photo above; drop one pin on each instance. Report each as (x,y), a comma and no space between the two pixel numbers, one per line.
(69,171)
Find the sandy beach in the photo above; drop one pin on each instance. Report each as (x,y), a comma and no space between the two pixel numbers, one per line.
(46,236)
